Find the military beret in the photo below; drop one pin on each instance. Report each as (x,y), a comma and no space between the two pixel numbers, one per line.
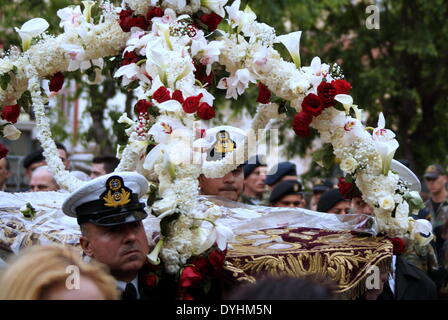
(109,200)
(279,171)
(322,185)
(434,171)
(285,188)
(254,162)
(328,199)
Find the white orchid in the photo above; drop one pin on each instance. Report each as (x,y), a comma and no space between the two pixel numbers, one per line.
(292,43)
(10,132)
(354,130)
(216,6)
(237,83)
(238,18)
(31,29)
(207,52)
(385,143)
(71,17)
(131,72)
(164,127)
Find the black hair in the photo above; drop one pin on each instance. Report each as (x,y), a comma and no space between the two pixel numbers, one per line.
(109,162)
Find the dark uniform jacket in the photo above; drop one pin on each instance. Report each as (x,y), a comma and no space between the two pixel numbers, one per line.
(411,283)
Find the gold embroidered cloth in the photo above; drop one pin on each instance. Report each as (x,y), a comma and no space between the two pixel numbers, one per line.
(343,256)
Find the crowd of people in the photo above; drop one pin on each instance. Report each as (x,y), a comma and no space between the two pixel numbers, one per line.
(116,240)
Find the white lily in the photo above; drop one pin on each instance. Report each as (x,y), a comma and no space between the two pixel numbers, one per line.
(292,43)
(346,100)
(153,257)
(216,6)
(166,206)
(125,119)
(223,236)
(385,143)
(156,56)
(88,9)
(30,29)
(170,106)
(422,232)
(153,157)
(10,132)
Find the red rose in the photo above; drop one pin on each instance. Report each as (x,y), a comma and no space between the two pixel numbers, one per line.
(11,113)
(399,245)
(201,264)
(312,105)
(126,20)
(191,104)
(301,124)
(216,259)
(151,280)
(189,277)
(201,75)
(56,82)
(142,106)
(211,20)
(345,188)
(161,95)
(130,57)
(154,12)
(140,21)
(326,93)
(177,95)
(264,95)
(3,151)
(341,86)
(205,111)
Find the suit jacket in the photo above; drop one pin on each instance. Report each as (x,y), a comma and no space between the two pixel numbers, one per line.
(411,283)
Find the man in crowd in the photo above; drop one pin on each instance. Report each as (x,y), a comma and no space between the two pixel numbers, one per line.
(359,206)
(43,180)
(333,202)
(321,186)
(36,159)
(110,216)
(287,194)
(4,173)
(281,172)
(230,186)
(436,208)
(103,165)
(254,175)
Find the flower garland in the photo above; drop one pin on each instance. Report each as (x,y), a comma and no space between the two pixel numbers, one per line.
(170,50)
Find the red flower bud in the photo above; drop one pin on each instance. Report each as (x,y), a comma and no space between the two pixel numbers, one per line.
(216,259)
(126,20)
(341,86)
(301,124)
(205,111)
(161,95)
(211,20)
(189,277)
(191,104)
(3,151)
(11,113)
(399,245)
(151,280)
(177,95)
(326,93)
(312,105)
(140,21)
(130,57)
(56,82)
(264,95)
(142,106)
(154,12)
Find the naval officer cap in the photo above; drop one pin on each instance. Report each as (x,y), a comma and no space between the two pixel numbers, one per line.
(109,200)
